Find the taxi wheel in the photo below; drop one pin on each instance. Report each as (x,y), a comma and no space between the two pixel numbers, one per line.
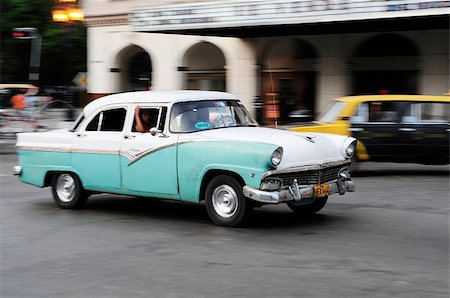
(312,208)
(67,191)
(225,202)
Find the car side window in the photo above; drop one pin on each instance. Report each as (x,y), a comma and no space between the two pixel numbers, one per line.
(361,115)
(383,111)
(427,112)
(109,120)
(149,118)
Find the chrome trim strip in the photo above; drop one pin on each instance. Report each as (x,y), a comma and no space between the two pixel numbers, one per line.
(307,168)
(42,148)
(144,153)
(66,150)
(17,170)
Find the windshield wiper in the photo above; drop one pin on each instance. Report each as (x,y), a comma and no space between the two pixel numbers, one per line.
(247,125)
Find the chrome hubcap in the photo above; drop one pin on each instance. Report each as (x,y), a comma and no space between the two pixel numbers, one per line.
(225,201)
(65,188)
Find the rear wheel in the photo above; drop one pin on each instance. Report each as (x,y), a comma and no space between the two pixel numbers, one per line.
(305,209)
(68,192)
(225,202)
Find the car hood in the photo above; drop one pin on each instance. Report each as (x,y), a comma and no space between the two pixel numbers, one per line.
(298,148)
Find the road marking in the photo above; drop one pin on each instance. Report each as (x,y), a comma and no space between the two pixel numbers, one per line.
(4,175)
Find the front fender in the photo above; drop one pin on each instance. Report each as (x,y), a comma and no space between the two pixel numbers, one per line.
(196,159)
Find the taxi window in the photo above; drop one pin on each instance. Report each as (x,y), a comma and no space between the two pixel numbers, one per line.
(362,114)
(427,112)
(373,112)
(383,111)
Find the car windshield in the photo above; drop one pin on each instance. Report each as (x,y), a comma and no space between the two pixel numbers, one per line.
(208,114)
(331,112)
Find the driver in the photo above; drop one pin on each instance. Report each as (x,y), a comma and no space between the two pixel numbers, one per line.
(198,119)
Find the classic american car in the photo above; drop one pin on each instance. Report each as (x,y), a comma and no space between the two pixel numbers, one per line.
(390,128)
(202,146)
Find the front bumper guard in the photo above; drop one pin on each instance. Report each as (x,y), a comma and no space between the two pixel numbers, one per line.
(296,192)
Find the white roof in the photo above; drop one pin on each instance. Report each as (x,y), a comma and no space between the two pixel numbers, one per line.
(140,97)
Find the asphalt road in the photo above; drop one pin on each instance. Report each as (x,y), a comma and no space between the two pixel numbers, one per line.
(390,238)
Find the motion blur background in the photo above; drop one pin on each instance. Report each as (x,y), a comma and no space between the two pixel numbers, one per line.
(285,59)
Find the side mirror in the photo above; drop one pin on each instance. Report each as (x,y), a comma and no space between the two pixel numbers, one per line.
(154,131)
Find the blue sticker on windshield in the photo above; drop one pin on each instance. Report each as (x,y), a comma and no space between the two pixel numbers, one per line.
(202,125)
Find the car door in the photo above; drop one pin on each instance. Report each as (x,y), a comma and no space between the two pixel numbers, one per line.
(95,151)
(375,124)
(149,162)
(424,127)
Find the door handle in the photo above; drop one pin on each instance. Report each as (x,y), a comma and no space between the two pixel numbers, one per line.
(134,150)
(129,136)
(356,129)
(81,135)
(405,129)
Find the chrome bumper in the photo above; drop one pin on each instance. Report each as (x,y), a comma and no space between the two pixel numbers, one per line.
(297,193)
(17,170)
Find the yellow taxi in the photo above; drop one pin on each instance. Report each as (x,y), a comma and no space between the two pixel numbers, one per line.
(394,128)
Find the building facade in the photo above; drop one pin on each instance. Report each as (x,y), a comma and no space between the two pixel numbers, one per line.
(292,55)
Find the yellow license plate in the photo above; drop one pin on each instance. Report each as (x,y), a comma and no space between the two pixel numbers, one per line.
(321,191)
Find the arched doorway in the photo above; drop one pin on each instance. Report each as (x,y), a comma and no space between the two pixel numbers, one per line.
(204,68)
(385,63)
(288,81)
(135,69)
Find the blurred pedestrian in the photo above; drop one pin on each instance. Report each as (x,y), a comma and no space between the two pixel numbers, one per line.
(18,100)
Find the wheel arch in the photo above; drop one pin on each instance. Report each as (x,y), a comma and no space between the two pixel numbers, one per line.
(49,176)
(209,175)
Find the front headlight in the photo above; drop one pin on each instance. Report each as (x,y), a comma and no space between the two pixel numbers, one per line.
(350,148)
(276,157)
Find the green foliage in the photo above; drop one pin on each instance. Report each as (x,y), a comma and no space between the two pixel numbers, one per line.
(63,52)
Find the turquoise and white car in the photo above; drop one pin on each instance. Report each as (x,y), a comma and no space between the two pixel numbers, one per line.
(202,146)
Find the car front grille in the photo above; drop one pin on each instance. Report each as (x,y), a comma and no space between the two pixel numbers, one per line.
(309,177)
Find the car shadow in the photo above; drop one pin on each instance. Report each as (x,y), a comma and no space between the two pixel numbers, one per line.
(182,213)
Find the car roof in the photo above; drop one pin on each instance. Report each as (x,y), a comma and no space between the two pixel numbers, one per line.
(393,97)
(17,86)
(352,102)
(164,97)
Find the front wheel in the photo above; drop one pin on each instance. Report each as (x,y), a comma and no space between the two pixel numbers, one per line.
(225,202)
(67,191)
(308,209)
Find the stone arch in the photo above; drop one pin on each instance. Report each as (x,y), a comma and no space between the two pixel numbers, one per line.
(204,67)
(385,63)
(135,68)
(288,80)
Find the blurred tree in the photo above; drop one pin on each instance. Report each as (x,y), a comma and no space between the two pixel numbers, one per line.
(63,45)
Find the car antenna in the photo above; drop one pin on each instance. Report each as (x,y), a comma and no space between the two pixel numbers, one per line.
(273,95)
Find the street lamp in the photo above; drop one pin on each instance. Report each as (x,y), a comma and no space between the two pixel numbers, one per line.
(67,11)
